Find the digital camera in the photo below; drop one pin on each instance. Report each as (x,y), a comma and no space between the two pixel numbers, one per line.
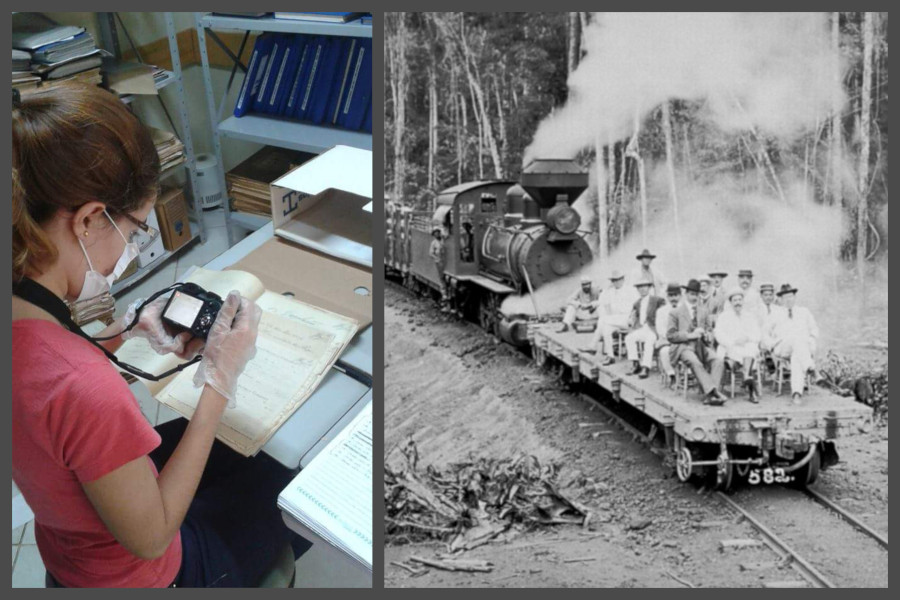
(192,309)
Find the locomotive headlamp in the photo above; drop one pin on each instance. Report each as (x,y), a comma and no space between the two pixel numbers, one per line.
(564,219)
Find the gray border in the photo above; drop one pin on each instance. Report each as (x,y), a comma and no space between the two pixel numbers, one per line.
(378,301)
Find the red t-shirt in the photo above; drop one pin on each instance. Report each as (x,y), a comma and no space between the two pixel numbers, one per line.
(74,420)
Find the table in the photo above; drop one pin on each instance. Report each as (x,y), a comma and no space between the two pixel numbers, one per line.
(337,395)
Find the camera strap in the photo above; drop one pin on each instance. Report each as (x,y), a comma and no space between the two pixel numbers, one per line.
(33,292)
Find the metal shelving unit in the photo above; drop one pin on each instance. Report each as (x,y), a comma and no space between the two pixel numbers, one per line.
(174,78)
(261,129)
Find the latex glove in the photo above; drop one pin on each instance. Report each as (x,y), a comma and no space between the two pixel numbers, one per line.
(229,346)
(151,328)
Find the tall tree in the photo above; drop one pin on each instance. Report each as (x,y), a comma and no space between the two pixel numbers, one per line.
(862,211)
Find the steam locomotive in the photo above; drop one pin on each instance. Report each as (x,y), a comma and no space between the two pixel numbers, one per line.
(502,238)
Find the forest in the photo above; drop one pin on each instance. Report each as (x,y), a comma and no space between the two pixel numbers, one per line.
(471,96)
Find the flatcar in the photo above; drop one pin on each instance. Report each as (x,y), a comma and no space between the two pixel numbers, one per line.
(774,441)
(501,239)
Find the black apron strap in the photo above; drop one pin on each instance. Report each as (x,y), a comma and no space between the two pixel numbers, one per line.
(33,292)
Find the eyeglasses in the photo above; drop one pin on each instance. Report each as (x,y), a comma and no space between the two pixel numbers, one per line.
(149,230)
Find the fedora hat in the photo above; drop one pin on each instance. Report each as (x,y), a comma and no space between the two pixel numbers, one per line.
(616,275)
(673,288)
(692,286)
(644,281)
(787,289)
(645,254)
(585,279)
(436,229)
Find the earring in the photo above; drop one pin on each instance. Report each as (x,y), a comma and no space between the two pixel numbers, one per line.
(85,234)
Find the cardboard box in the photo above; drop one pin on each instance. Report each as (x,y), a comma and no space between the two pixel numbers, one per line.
(172,212)
(322,205)
(312,277)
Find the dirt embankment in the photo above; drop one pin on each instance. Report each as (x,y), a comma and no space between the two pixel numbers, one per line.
(457,394)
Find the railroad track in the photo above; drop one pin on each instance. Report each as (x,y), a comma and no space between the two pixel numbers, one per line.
(786,552)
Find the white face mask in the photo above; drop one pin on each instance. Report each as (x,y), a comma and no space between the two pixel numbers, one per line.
(94,281)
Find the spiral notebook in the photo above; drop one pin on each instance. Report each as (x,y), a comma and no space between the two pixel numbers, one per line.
(332,496)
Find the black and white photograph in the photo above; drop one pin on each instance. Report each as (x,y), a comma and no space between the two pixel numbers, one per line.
(635,300)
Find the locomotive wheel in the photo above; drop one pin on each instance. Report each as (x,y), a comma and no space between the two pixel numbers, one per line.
(487,314)
(808,473)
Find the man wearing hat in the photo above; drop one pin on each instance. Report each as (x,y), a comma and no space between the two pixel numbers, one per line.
(688,331)
(643,328)
(737,331)
(769,313)
(645,272)
(615,307)
(582,304)
(751,296)
(673,295)
(795,334)
(717,294)
(437,253)
(704,301)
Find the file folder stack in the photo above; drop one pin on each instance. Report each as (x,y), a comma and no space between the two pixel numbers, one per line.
(248,183)
(56,56)
(324,80)
(169,148)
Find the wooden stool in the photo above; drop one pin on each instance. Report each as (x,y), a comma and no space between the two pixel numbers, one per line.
(618,337)
(737,370)
(783,372)
(685,377)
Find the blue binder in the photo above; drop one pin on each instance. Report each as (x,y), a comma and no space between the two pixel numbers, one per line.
(303,110)
(367,125)
(334,58)
(270,72)
(295,91)
(359,95)
(252,79)
(283,77)
(341,80)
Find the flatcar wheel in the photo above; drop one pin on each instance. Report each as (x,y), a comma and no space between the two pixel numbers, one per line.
(724,472)
(808,473)
(684,464)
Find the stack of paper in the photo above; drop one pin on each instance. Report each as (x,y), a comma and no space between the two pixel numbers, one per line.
(333,495)
(169,148)
(248,183)
(58,55)
(21,61)
(322,17)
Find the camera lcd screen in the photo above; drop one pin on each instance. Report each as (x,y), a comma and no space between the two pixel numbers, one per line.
(183,309)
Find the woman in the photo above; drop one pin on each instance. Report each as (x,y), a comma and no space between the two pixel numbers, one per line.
(116,503)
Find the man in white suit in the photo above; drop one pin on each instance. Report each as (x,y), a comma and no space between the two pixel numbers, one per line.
(737,332)
(615,307)
(795,334)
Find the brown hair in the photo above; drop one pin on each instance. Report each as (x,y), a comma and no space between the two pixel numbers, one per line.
(72,145)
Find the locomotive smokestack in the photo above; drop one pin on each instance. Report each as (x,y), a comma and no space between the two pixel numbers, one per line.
(549,181)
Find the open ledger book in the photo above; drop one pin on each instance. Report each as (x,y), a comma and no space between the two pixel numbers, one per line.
(296,345)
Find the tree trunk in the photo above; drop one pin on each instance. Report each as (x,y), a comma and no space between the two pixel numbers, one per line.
(602,249)
(862,211)
(432,126)
(835,144)
(574,42)
(670,167)
(399,87)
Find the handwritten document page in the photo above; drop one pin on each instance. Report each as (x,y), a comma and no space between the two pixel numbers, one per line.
(333,495)
(296,345)
(290,359)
